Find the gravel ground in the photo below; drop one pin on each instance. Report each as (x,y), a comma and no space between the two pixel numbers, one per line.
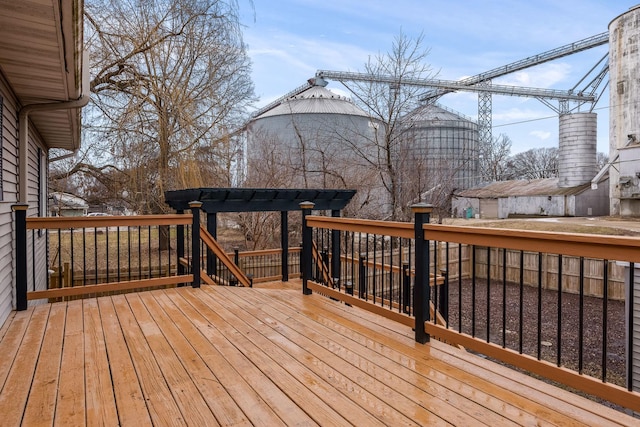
(593,338)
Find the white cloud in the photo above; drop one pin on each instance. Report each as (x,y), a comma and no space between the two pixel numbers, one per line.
(540,134)
(542,76)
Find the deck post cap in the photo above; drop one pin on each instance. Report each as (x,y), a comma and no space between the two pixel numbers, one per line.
(307,205)
(195,204)
(421,208)
(20,207)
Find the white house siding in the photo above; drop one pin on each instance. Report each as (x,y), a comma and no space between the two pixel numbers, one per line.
(9,197)
(37,194)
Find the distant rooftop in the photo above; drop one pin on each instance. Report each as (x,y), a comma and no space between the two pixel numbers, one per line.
(534,187)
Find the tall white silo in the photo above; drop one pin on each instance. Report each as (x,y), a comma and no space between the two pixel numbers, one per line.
(624,118)
(577,149)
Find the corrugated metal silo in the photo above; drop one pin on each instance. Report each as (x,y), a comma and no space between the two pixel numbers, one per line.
(318,139)
(447,142)
(578,147)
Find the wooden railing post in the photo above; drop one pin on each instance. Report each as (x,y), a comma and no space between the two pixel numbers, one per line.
(195,243)
(20,211)
(421,289)
(307,237)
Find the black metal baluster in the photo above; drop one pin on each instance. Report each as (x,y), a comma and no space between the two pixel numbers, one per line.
(409,274)
(169,254)
(630,330)
(391,274)
(539,339)
(446,286)
(72,259)
(559,324)
(366,290)
(60,259)
(436,290)
(149,251)
(581,318)
(382,275)
(488,293)
(459,287)
(95,252)
(118,250)
(375,269)
(521,304)
(605,315)
(84,256)
(140,252)
(160,237)
(33,258)
(504,297)
(473,291)
(129,250)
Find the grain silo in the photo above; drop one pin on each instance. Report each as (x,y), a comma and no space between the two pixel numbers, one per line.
(315,139)
(577,149)
(445,142)
(624,116)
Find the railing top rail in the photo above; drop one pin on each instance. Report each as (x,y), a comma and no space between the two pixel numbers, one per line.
(385,228)
(35,223)
(619,248)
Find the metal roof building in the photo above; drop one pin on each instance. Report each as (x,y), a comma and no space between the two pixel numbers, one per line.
(537,197)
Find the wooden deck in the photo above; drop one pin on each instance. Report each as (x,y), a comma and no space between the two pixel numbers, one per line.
(241,356)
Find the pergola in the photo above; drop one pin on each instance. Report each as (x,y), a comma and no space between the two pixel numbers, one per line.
(281,200)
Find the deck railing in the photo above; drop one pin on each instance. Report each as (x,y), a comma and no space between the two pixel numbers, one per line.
(480,304)
(72,257)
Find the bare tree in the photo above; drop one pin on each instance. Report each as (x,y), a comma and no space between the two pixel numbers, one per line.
(535,164)
(494,159)
(387,105)
(168,81)
(601,160)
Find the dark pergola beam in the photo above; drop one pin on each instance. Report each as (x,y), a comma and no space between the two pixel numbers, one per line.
(258,199)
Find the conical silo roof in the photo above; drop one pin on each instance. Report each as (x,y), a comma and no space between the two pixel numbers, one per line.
(315,100)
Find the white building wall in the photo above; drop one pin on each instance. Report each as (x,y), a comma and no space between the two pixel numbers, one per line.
(9,177)
(532,205)
(37,188)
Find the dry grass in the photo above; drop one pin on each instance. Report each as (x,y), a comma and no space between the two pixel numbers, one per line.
(553,226)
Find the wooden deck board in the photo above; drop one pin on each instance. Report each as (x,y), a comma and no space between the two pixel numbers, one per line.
(241,356)
(397,381)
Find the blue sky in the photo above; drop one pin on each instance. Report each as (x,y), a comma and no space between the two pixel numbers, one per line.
(289,40)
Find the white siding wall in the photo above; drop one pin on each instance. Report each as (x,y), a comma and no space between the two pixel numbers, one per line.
(10,197)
